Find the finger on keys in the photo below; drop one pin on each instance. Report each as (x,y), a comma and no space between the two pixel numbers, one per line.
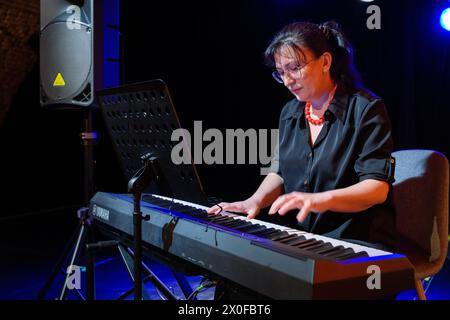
(303,213)
(233,207)
(215,209)
(277,204)
(252,213)
(291,204)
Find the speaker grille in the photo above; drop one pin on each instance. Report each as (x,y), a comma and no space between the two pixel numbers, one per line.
(66,52)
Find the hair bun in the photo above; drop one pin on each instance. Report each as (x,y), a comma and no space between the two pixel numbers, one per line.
(331,25)
(331,29)
(326,31)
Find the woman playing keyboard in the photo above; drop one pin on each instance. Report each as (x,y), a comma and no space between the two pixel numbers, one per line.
(332,168)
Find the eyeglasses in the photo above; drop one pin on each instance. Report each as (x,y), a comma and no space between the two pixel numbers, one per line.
(294,70)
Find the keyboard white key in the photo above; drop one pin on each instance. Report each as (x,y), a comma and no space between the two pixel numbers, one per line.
(372,252)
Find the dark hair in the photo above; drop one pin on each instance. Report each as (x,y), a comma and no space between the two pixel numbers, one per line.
(319,38)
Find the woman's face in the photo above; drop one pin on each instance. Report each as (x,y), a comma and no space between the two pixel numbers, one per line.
(302,74)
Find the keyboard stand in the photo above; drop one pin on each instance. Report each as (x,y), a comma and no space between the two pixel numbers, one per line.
(127,256)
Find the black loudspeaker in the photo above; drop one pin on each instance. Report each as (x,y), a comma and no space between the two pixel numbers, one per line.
(79,50)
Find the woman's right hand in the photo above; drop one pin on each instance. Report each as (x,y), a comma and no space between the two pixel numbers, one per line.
(250,207)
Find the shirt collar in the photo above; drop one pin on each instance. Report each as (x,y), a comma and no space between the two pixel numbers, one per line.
(339,104)
(337,107)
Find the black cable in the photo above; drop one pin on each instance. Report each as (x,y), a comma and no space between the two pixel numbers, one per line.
(201,287)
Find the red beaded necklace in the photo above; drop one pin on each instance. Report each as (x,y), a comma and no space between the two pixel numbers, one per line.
(321,120)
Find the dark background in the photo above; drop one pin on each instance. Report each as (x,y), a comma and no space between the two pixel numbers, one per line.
(210,55)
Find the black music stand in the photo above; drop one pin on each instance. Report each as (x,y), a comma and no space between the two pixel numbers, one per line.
(140,119)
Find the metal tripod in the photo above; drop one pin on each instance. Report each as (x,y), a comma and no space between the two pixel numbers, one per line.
(78,239)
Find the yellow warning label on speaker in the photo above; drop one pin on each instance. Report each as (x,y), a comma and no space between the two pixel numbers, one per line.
(59,81)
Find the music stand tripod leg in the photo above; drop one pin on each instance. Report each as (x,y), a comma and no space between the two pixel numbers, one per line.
(128,260)
(156,281)
(183,283)
(74,258)
(75,241)
(59,264)
(127,256)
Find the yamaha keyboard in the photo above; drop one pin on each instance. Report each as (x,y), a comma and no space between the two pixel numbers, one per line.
(275,261)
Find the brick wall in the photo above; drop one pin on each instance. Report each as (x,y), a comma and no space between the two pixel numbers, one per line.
(19,22)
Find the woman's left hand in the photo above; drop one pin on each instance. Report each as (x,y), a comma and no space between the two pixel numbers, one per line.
(306,202)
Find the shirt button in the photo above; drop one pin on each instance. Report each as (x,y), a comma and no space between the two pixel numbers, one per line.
(305,183)
(310,155)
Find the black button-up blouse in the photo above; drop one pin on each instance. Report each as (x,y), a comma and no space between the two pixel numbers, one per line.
(354,144)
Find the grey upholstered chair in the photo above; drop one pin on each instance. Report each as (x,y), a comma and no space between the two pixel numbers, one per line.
(421,196)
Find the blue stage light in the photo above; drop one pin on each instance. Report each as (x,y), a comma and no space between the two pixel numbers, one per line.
(445,19)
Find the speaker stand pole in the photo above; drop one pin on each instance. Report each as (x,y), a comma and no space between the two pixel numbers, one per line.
(88,137)
(88,140)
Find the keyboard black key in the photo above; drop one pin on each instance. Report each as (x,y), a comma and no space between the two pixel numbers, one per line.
(252,225)
(278,235)
(330,251)
(199,213)
(249,228)
(298,241)
(230,224)
(239,223)
(267,232)
(315,246)
(223,221)
(185,210)
(326,246)
(341,253)
(275,232)
(287,238)
(354,255)
(311,245)
(256,230)
(290,240)
(246,225)
(261,232)
(218,218)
